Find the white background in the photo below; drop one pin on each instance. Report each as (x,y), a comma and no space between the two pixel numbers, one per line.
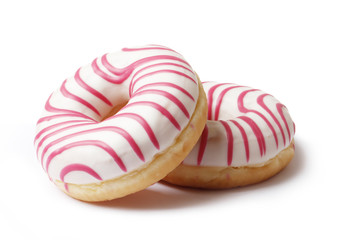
(295,50)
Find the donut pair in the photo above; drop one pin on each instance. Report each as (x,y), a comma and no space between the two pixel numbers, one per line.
(134,117)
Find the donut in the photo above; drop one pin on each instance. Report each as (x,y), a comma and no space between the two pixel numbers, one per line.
(121,123)
(247,139)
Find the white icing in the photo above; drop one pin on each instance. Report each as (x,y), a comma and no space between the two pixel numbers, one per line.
(97,158)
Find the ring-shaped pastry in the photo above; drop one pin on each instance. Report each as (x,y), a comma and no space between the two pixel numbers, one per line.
(121,123)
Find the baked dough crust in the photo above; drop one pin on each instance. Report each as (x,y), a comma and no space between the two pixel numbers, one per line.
(229,177)
(154,171)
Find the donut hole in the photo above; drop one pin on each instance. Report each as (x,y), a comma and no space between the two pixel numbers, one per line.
(114,110)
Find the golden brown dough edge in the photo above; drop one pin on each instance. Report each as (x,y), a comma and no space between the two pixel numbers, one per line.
(229,177)
(154,171)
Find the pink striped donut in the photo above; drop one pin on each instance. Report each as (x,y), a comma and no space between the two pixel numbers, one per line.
(121,123)
(247,139)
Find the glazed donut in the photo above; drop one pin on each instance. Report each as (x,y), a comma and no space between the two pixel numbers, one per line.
(247,139)
(121,123)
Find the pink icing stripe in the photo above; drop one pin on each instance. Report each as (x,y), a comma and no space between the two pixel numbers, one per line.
(114,129)
(154,58)
(243,109)
(95,143)
(260,101)
(50,108)
(131,141)
(160,64)
(151,66)
(39,134)
(210,99)
(124,73)
(203,144)
(220,99)
(134,81)
(166,84)
(77,167)
(158,107)
(279,107)
(144,124)
(115,80)
(67,94)
(67,113)
(48,118)
(245,139)
(257,132)
(171,97)
(58,131)
(229,142)
(94,92)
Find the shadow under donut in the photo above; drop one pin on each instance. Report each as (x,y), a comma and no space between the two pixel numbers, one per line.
(164,196)
(168,196)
